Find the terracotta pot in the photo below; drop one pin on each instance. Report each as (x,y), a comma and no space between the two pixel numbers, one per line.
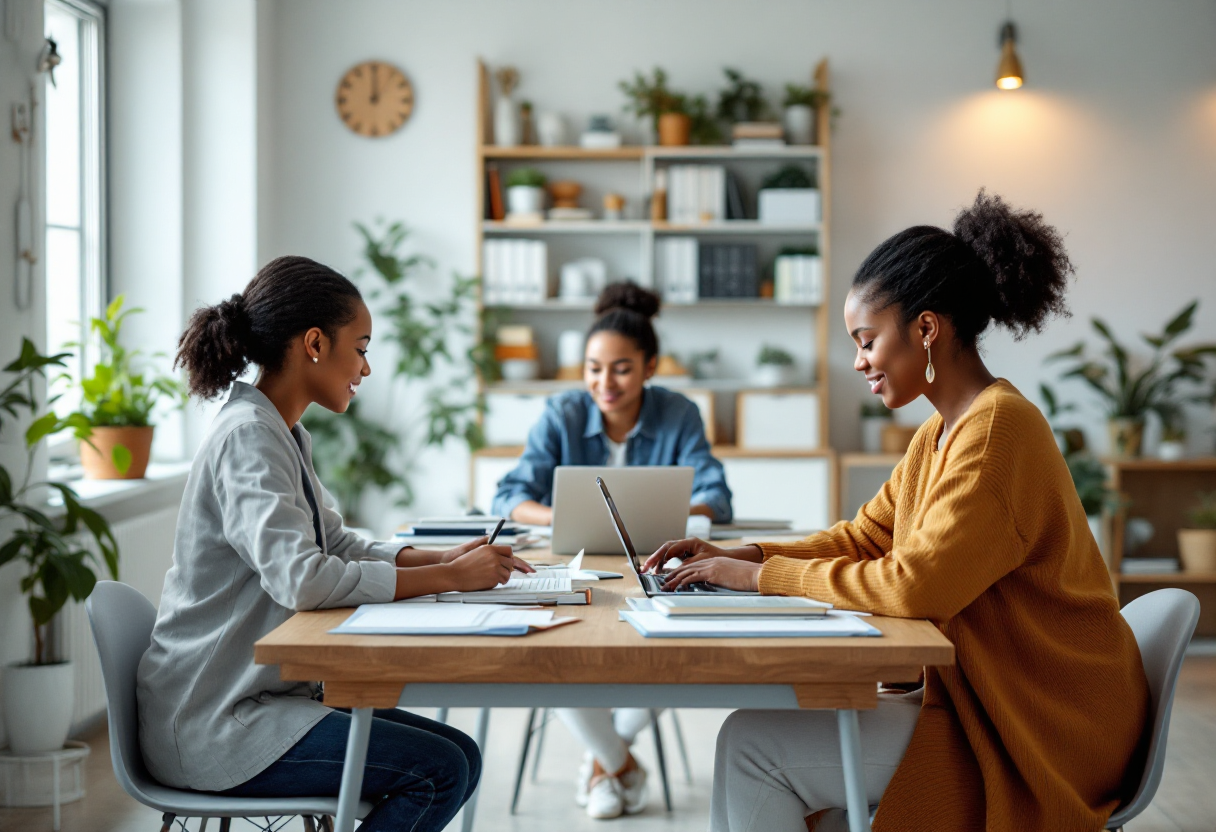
(674,129)
(1126,437)
(897,438)
(1197,548)
(98,460)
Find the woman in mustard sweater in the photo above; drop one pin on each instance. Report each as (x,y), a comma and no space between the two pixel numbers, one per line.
(1040,723)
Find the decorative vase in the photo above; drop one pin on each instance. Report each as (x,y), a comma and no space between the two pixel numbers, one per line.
(799,123)
(506,122)
(551,129)
(1197,549)
(1170,450)
(97,459)
(38,702)
(674,129)
(871,433)
(773,375)
(525,199)
(1126,436)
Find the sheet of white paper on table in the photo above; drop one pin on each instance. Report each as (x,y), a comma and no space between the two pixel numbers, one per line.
(659,625)
(405,619)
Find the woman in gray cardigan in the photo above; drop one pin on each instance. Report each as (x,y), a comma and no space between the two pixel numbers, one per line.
(257,539)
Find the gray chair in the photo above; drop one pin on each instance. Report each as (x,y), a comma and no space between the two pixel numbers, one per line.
(122,621)
(1163,622)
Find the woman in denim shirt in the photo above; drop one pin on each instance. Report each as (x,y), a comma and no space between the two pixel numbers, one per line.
(616,421)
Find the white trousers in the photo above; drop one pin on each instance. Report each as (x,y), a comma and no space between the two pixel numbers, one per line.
(773,768)
(606,733)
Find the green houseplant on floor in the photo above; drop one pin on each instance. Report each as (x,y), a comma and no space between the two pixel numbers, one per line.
(59,551)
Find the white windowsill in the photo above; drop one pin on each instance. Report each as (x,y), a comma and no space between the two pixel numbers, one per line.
(120,499)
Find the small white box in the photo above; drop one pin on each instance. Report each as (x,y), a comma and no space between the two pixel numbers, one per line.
(510,416)
(789,206)
(786,421)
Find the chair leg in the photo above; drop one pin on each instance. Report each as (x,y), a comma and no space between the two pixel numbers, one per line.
(166,821)
(540,743)
(675,720)
(327,823)
(441,715)
(202,824)
(225,824)
(523,758)
(310,823)
(658,751)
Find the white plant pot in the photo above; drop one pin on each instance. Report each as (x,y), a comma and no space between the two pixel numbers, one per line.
(551,129)
(506,122)
(525,199)
(871,433)
(520,369)
(38,702)
(1171,451)
(799,122)
(773,375)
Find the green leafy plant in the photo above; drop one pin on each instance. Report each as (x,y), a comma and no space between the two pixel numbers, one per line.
(876,410)
(526,178)
(52,547)
(796,95)
(355,453)
(1089,478)
(742,100)
(652,98)
(790,176)
(1131,389)
(774,355)
(1203,516)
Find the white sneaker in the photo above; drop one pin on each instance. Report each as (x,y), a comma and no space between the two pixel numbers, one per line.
(583,784)
(633,790)
(604,798)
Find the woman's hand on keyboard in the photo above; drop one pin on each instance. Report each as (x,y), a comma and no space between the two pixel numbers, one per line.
(729,572)
(693,549)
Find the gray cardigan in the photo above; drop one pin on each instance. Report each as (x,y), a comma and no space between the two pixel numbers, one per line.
(250,550)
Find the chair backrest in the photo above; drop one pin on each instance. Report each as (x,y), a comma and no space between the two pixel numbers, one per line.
(122,619)
(1163,623)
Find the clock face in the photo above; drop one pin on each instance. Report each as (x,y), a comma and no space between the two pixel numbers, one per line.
(374,99)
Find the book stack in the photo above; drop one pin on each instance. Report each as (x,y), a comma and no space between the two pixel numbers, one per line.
(514,271)
(696,193)
(758,134)
(728,270)
(675,263)
(450,532)
(798,279)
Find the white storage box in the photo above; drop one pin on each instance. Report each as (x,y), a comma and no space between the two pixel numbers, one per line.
(487,469)
(509,416)
(786,421)
(797,489)
(790,206)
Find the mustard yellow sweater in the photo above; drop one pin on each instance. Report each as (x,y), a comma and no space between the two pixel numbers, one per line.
(1036,725)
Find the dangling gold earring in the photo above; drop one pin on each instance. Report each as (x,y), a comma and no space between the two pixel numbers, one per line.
(930,373)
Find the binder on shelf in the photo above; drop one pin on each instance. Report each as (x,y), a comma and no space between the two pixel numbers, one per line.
(514,271)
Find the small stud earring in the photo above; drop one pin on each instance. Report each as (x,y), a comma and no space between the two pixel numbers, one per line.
(314,359)
(930,373)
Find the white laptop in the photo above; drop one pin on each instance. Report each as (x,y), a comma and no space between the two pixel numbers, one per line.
(654,500)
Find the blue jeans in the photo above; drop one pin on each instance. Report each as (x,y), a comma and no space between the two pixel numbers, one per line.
(418,773)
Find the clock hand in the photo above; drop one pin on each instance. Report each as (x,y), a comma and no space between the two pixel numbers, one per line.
(375,84)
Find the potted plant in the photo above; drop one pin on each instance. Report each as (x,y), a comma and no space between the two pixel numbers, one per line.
(789,197)
(1132,389)
(525,193)
(1172,446)
(875,416)
(114,419)
(742,100)
(1197,542)
(774,367)
(678,118)
(38,694)
(799,109)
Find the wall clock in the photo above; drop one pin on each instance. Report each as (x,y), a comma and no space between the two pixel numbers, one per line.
(374,98)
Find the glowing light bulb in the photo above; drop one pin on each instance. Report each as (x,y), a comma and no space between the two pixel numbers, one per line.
(1009,70)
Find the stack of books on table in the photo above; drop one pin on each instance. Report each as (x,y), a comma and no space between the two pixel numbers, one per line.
(740,616)
(515,271)
(448,532)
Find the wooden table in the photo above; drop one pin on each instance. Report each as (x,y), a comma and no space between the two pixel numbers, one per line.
(600,662)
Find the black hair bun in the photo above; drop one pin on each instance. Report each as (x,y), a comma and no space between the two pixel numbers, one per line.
(1026,258)
(629,296)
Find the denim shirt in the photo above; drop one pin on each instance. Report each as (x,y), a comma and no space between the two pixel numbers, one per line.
(571,432)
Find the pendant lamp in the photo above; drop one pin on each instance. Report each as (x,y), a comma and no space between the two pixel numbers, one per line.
(1009,70)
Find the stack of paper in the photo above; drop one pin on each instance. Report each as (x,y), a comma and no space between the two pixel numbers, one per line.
(657,625)
(539,588)
(437,620)
(448,532)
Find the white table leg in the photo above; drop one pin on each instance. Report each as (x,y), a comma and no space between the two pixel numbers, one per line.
(55,795)
(854,771)
(470,808)
(352,768)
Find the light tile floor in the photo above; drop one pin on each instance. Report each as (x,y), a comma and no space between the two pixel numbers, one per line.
(1186,801)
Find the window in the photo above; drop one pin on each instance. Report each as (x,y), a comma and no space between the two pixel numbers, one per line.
(75,219)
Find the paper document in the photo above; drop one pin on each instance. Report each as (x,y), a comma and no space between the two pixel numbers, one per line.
(657,625)
(445,619)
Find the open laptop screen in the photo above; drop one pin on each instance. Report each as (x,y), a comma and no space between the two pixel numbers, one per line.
(619,525)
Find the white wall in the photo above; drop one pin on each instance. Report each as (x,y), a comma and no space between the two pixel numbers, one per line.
(1113,138)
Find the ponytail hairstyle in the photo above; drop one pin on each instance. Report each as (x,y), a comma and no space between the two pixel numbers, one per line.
(999,265)
(626,308)
(289,296)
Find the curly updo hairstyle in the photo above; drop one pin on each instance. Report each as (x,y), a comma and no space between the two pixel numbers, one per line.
(626,308)
(999,265)
(289,296)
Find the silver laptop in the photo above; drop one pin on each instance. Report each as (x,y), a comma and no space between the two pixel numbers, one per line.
(653,584)
(654,498)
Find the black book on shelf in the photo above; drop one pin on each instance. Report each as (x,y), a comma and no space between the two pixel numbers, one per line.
(731,272)
(706,266)
(749,280)
(734,198)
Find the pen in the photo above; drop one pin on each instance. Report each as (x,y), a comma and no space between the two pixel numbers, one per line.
(497,529)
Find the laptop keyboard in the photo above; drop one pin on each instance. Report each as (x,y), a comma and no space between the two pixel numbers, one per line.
(654,583)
